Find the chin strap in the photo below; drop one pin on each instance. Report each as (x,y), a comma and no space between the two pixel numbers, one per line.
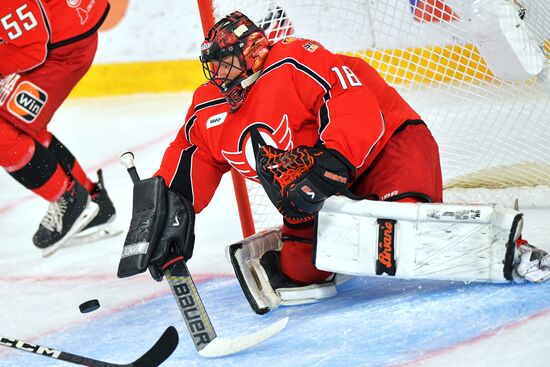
(250,80)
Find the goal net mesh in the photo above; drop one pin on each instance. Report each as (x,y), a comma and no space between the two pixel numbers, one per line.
(493,133)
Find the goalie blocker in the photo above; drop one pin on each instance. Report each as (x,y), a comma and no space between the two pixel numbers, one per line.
(406,240)
(161,229)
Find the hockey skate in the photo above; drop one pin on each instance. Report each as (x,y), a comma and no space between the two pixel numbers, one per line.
(68,215)
(530,263)
(100,227)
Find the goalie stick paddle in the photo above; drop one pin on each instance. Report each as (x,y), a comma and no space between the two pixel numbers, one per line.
(192,309)
(154,357)
(202,332)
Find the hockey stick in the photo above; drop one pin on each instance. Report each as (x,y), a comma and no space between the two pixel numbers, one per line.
(202,332)
(192,309)
(158,353)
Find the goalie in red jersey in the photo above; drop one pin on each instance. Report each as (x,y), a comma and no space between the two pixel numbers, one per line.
(46,47)
(307,124)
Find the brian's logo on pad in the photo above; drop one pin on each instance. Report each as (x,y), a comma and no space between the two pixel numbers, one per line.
(27,101)
(386,247)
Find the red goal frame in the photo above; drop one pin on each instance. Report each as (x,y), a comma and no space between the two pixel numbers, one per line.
(239,184)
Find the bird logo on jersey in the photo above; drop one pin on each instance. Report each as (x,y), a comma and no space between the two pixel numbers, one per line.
(243,160)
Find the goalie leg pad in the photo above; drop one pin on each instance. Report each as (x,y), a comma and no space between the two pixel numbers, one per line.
(256,264)
(417,240)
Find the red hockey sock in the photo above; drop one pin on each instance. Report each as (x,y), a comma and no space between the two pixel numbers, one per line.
(55,186)
(67,159)
(296,256)
(297,266)
(31,164)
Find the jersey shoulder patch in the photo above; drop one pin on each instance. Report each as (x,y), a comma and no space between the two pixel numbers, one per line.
(311,46)
(216,120)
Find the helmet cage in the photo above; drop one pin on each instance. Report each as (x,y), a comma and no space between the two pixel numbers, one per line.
(234,50)
(220,64)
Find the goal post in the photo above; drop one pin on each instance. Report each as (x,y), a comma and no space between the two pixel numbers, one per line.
(477,71)
(241,192)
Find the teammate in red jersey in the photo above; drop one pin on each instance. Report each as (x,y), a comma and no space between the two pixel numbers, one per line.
(46,47)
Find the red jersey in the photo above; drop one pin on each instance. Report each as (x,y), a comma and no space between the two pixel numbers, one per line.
(28,28)
(305,95)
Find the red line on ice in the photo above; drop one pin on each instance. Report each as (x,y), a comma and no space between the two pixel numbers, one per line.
(88,278)
(474,340)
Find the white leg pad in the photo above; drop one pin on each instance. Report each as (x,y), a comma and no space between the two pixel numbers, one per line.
(414,240)
(245,258)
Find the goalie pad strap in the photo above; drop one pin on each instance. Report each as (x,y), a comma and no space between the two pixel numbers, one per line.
(385,261)
(511,247)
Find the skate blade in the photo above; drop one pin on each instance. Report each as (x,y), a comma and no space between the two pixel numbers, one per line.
(93,235)
(86,217)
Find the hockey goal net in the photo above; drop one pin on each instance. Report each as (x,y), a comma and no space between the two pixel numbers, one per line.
(475,70)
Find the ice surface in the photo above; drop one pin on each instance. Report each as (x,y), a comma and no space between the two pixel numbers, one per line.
(372,322)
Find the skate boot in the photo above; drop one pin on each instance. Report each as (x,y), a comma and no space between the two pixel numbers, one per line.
(530,263)
(99,227)
(66,216)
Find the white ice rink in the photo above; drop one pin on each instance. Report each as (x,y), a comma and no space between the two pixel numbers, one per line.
(380,321)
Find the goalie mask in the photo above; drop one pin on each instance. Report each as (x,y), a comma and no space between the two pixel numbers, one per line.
(232,55)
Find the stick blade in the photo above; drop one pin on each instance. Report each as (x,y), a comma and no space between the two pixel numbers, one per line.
(220,347)
(163,348)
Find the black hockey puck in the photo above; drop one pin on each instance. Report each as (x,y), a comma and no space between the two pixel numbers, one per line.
(89,306)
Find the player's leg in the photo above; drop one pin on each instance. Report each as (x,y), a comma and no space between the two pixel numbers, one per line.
(65,158)
(277,268)
(32,165)
(84,51)
(28,104)
(295,256)
(256,261)
(96,189)
(407,169)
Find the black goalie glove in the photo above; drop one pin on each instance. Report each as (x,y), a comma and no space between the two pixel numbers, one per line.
(162,229)
(299,180)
